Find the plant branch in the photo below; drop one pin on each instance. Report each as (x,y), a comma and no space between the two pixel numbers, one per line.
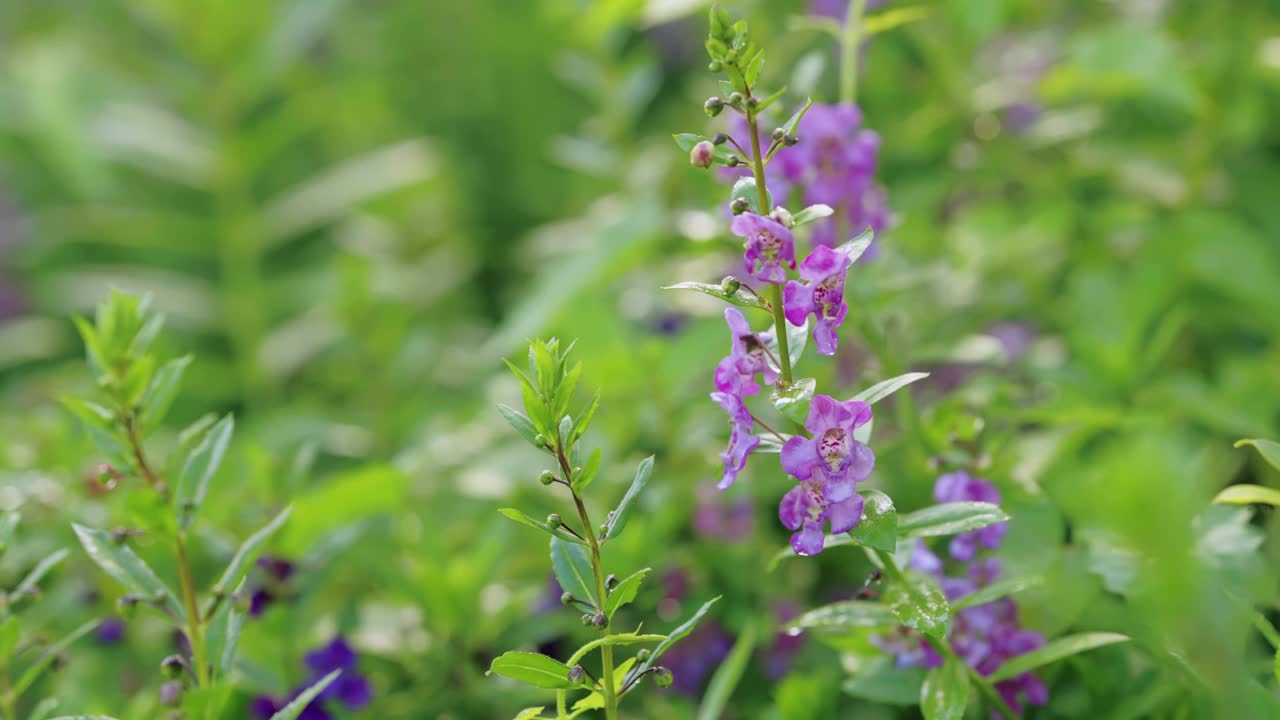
(775,291)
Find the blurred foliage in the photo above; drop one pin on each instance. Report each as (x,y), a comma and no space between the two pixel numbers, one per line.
(350,212)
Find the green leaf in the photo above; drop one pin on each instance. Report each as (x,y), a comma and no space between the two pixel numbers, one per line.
(720,156)
(740,297)
(224,638)
(524,519)
(919,604)
(248,554)
(949,519)
(794,121)
(618,518)
(890,19)
(797,338)
(676,636)
(50,654)
(572,567)
(10,633)
(342,500)
(584,478)
(520,422)
(858,245)
(532,669)
(8,525)
(995,591)
(811,214)
(793,401)
(878,527)
(580,426)
(595,701)
(882,682)
(300,703)
(728,675)
(99,422)
(773,97)
(745,188)
(624,592)
(945,692)
(844,615)
(198,470)
(751,69)
(530,713)
(45,708)
(1247,495)
(39,571)
(885,388)
(126,568)
(162,391)
(1056,650)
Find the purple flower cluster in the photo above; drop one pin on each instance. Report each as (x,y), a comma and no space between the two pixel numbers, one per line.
(351,690)
(987,635)
(276,573)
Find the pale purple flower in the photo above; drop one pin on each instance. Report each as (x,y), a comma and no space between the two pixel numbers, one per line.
(736,374)
(832,457)
(770,248)
(741,441)
(822,294)
(959,486)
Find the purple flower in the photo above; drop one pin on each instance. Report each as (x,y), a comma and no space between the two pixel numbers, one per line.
(693,658)
(277,571)
(960,487)
(351,689)
(109,632)
(736,374)
(717,520)
(741,441)
(821,294)
(771,249)
(832,457)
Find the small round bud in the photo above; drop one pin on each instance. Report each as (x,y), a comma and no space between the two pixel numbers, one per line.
(778,134)
(600,620)
(702,155)
(730,284)
(566,598)
(715,66)
(171,693)
(642,654)
(739,206)
(576,674)
(586,618)
(753,102)
(736,99)
(790,140)
(720,139)
(127,605)
(541,440)
(554,520)
(662,677)
(733,161)
(173,666)
(610,582)
(713,106)
(546,478)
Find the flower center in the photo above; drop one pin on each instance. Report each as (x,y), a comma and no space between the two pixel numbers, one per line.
(834,448)
(768,244)
(828,294)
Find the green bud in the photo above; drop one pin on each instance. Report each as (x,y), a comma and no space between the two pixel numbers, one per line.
(735,99)
(599,620)
(720,139)
(566,598)
(790,140)
(715,66)
(713,106)
(642,654)
(586,618)
(733,161)
(554,520)
(576,674)
(753,102)
(739,206)
(173,666)
(731,284)
(541,441)
(546,478)
(662,677)
(778,134)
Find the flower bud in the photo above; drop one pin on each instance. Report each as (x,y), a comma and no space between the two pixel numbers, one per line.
(715,66)
(546,478)
(127,605)
(720,139)
(554,520)
(702,154)
(733,161)
(566,598)
(782,215)
(740,205)
(610,582)
(171,693)
(576,674)
(642,654)
(600,620)
(586,618)
(173,666)
(662,677)
(736,99)
(713,106)
(778,134)
(790,140)
(753,102)
(730,284)
(541,441)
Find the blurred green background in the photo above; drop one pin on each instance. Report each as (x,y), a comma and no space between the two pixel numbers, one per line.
(350,211)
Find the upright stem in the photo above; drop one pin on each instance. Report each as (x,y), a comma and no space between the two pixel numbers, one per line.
(849,40)
(195,626)
(775,291)
(8,703)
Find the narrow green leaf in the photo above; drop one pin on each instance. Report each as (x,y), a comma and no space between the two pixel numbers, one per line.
(885,388)
(945,692)
(162,391)
(39,571)
(624,592)
(919,604)
(524,519)
(99,423)
(584,478)
(300,703)
(1248,495)
(878,527)
(248,553)
(50,654)
(520,422)
(844,615)
(995,591)
(728,675)
(224,638)
(890,19)
(530,713)
(532,669)
(794,121)
(572,567)
(949,519)
(676,636)
(740,297)
(44,709)
(198,470)
(811,214)
(8,526)
(618,519)
(753,66)
(882,682)
(126,568)
(773,97)
(1056,650)
(10,633)
(583,422)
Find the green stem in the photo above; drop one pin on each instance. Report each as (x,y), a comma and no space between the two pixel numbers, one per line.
(943,647)
(849,40)
(195,626)
(8,702)
(775,291)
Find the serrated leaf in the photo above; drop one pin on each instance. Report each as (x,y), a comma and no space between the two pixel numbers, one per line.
(198,470)
(532,669)
(949,519)
(745,188)
(162,391)
(1248,495)
(248,553)
(919,604)
(811,214)
(300,703)
(624,592)
(885,388)
(618,519)
(793,401)
(854,248)
(572,567)
(1052,652)
(878,527)
(50,654)
(126,568)
(39,571)
(995,591)
(524,519)
(1268,449)
(945,691)
(844,615)
(740,297)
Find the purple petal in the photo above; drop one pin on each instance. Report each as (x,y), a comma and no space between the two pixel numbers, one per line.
(793,510)
(845,515)
(809,540)
(799,457)
(797,302)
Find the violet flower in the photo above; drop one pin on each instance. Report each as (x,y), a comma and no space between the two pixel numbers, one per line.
(715,519)
(736,374)
(960,487)
(770,247)
(741,441)
(822,294)
(351,689)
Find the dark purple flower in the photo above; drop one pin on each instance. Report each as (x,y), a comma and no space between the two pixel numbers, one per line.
(741,441)
(715,519)
(263,707)
(736,374)
(351,689)
(771,249)
(109,632)
(960,487)
(822,294)
(277,572)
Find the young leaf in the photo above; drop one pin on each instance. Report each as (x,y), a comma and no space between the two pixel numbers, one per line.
(532,669)
(878,527)
(949,519)
(584,478)
(99,423)
(751,69)
(1248,495)
(162,391)
(126,568)
(882,682)
(858,245)
(844,615)
(885,388)
(520,422)
(300,703)
(1056,650)
(624,592)
(224,638)
(10,633)
(919,604)
(995,591)
(728,675)
(524,519)
(797,338)
(572,567)
(794,122)
(50,654)
(248,554)
(740,297)
(745,189)
(811,214)
(39,571)
(794,401)
(198,470)
(618,519)
(945,692)
(1268,449)
(8,525)
(581,424)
